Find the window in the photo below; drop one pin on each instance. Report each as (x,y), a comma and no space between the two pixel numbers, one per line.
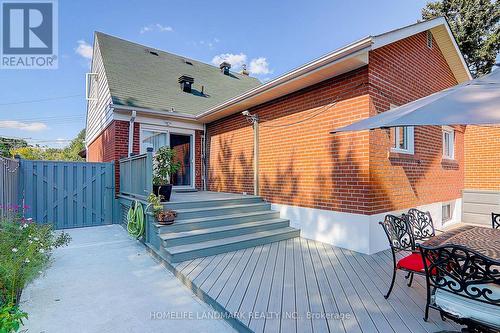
(153,139)
(446,209)
(402,139)
(448,143)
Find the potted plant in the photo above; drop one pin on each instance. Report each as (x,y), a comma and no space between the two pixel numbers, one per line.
(164,166)
(165,217)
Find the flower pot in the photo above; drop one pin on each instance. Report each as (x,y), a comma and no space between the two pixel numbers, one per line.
(163,190)
(166,217)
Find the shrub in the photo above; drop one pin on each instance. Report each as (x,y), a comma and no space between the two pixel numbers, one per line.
(164,165)
(11,318)
(25,252)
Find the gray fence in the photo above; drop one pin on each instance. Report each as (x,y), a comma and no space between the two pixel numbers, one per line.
(9,184)
(68,194)
(136,174)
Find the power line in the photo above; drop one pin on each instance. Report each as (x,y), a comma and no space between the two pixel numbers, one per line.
(41,100)
(40,118)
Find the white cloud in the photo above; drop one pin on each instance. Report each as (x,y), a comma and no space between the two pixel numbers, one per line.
(15,124)
(84,49)
(259,66)
(156,27)
(236,60)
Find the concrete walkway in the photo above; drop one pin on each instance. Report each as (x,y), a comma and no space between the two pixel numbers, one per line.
(106,282)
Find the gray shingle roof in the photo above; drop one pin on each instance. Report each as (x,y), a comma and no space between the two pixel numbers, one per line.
(139,78)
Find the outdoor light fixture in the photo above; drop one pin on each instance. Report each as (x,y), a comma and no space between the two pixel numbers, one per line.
(254,120)
(251,118)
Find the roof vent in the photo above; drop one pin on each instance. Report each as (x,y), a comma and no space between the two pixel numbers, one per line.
(244,70)
(186,82)
(187,62)
(153,53)
(224,67)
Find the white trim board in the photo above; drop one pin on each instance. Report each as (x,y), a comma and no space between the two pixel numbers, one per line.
(357,232)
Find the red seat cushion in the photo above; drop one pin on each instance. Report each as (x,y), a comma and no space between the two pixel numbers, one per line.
(413,262)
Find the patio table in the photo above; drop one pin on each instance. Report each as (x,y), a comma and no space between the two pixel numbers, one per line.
(483,240)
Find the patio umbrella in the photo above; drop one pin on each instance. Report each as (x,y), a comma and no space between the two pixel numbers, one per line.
(475,102)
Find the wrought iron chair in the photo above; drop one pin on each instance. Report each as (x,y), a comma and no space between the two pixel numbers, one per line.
(495,221)
(421,224)
(460,279)
(401,239)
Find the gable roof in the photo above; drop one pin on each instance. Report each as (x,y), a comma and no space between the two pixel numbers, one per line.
(347,58)
(138,78)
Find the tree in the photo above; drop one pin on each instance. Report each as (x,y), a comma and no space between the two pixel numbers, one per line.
(6,145)
(475,24)
(68,153)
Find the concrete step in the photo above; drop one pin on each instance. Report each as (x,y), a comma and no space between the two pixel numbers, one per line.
(219,202)
(213,247)
(191,213)
(216,221)
(201,235)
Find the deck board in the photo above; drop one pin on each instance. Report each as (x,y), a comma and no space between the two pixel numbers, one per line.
(287,324)
(302,306)
(248,302)
(232,281)
(260,306)
(276,295)
(274,287)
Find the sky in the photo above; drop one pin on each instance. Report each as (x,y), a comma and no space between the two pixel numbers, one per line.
(48,107)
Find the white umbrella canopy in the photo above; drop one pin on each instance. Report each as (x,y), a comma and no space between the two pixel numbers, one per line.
(475,102)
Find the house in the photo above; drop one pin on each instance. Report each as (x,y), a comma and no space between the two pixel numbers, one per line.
(334,188)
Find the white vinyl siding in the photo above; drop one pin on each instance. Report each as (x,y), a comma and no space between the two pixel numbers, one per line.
(98,113)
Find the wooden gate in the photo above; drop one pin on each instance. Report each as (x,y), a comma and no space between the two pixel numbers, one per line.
(68,194)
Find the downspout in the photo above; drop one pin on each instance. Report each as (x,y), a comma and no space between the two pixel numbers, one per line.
(254,120)
(131,133)
(256,155)
(204,158)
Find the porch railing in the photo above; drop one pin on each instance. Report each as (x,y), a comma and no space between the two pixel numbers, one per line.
(9,184)
(136,175)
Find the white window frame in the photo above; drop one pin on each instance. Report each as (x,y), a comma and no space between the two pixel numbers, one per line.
(450,131)
(162,129)
(410,137)
(447,204)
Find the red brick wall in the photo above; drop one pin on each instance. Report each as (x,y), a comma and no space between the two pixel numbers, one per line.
(112,144)
(482,158)
(230,155)
(399,73)
(302,164)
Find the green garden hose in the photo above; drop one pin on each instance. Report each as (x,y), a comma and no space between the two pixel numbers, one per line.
(135,220)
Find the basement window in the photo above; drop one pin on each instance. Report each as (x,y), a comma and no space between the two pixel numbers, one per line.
(429,39)
(446,212)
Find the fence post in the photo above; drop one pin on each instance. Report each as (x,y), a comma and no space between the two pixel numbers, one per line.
(149,170)
(20,183)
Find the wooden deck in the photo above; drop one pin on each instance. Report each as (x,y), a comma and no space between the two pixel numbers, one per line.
(299,285)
